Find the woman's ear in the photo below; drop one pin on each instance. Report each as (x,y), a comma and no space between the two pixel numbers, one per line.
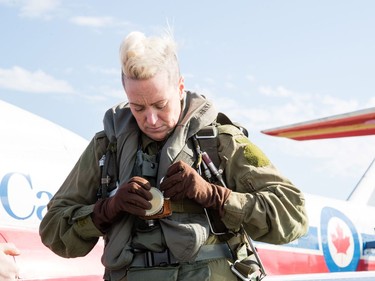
(181,87)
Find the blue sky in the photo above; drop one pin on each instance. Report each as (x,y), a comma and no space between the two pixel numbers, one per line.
(264,63)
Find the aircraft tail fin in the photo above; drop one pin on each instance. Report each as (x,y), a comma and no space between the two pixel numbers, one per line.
(364,191)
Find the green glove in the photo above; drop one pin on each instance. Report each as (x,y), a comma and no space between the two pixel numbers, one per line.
(182,181)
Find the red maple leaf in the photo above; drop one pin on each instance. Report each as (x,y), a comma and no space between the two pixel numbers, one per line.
(340,242)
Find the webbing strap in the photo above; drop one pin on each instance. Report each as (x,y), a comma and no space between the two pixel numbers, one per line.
(109,171)
(207,138)
(206,252)
(186,206)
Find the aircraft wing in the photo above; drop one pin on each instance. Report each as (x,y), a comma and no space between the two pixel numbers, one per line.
(356,123)
(337,276)
(36,156)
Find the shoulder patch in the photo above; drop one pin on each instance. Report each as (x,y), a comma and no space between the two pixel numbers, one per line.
(253,154)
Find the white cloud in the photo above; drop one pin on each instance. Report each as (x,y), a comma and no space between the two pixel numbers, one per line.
(34,8)
(344,157)
(290,107)
(106,71)
(108,93)
(98,22)
(8,2)
(229,85)
(250,78)
(337,105)
(208,80)
(93,21)
(280,91)
(38,8)
(20,79)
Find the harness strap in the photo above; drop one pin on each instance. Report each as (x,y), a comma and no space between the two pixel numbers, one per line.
(208,141)
(109,173)
(206,252)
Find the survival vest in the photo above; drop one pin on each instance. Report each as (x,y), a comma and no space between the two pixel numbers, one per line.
(248,263)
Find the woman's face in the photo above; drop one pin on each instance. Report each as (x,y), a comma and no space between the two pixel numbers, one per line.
(155,104)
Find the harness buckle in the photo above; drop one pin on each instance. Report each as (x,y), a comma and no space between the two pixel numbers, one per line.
(159,259)
(254,276)
(208,132)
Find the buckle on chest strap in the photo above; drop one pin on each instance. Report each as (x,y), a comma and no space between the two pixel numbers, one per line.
(208,132)
(159,259)
(153,259)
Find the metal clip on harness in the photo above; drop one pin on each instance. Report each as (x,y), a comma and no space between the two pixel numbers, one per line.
(250,268)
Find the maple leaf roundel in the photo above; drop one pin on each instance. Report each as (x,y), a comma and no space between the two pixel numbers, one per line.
(339,240)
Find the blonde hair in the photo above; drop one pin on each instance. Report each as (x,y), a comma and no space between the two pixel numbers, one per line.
(143,57)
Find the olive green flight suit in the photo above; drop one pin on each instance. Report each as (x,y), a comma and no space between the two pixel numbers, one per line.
(270,208)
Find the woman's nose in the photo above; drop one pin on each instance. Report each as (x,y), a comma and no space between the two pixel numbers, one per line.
(151,117)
